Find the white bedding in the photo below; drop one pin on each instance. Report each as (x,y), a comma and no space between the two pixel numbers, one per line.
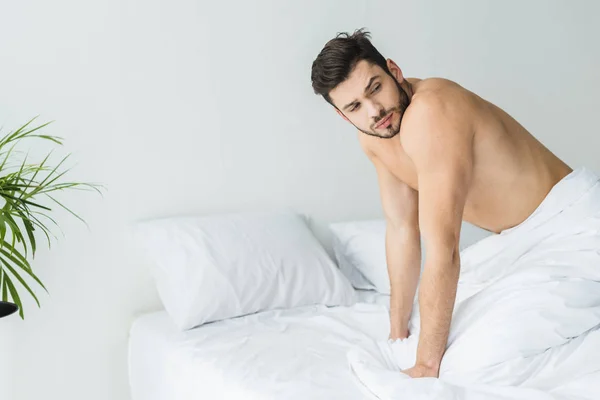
(526,326)
(280,354)
(526,322)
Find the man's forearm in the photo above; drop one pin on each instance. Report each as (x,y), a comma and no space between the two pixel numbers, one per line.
(403,253)
(437,295)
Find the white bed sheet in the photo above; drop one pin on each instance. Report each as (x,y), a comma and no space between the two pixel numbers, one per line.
(281,354)
(526,320)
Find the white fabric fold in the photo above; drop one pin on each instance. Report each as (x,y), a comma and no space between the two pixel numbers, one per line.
(527,313)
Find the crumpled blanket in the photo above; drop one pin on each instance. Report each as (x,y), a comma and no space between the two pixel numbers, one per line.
(526,321)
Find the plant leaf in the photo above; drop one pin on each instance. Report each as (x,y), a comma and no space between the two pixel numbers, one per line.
(4,288)
(13,251)
(27,270)
(20,279)
(14,295)
(60,204)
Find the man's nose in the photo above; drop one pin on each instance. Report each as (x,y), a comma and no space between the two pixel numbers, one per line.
(374,110)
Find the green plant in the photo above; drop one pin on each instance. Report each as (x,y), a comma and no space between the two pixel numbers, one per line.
(22,213)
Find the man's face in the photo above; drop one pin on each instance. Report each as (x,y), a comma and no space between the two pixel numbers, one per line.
(371,100)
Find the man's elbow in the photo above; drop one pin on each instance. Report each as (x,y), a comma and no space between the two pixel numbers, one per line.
(404,224)
(443,251)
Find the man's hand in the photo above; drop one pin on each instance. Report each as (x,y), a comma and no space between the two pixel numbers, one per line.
(421,371)
(398,334)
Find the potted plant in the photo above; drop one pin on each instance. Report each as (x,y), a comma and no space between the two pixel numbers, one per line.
(27,191)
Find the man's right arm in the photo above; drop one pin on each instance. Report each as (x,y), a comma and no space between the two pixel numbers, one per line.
(402,246)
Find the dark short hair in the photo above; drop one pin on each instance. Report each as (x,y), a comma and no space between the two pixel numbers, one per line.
(339,57)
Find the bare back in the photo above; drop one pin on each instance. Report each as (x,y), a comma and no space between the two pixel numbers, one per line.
(512,171)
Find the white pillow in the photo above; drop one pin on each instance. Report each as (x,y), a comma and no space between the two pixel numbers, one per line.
(216,267)
(359,248)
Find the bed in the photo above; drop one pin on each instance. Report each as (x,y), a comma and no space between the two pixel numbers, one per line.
(256,309)
(295,353)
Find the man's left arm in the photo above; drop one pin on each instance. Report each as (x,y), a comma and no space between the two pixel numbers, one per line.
(442,154)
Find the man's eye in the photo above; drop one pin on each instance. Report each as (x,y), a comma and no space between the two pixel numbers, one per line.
(355,107)
(376,87)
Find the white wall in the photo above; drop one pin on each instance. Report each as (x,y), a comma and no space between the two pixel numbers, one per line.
(199,107)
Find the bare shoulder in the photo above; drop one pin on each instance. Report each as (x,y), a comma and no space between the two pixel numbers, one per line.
(442,92)
(440,109)
(437,99)
(434,85)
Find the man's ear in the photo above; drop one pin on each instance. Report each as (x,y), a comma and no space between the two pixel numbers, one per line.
(395,70)
(342,114)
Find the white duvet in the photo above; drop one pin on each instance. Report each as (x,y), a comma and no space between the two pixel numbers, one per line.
(526,322)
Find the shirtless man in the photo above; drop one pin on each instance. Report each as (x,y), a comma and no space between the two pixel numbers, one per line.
(442,155)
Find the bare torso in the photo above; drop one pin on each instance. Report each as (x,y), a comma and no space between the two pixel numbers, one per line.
(512,171)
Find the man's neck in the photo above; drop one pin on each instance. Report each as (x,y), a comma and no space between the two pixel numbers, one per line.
(408,84)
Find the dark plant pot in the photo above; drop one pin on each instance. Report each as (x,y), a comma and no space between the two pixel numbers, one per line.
(7,308)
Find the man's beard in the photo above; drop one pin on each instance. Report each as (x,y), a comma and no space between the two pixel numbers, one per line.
(391,131)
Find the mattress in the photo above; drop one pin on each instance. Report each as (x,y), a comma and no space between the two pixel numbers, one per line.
(295,353)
